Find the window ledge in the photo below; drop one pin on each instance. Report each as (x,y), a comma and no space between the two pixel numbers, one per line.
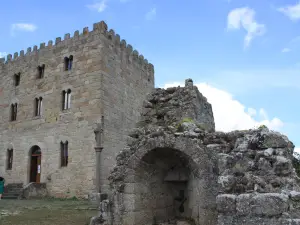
(66,111)
(37,117)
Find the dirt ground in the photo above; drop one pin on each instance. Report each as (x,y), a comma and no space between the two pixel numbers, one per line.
(46,212)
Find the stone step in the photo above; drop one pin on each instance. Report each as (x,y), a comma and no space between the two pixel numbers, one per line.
(10,197)
(15,185)
(12,189)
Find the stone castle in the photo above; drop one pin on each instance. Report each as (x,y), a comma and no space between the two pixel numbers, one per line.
(54,97)
(82,117)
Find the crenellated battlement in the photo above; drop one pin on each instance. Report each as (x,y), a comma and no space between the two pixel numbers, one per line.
(100,28)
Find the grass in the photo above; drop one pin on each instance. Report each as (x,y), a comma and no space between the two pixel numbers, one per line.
(45,212)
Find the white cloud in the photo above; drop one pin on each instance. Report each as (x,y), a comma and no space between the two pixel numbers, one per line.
(24,27)
(291,11)
(3,54)
(245,18)
(98,6)
(297,149)
(285,50)
(251,112)
(151,14)
(230,114)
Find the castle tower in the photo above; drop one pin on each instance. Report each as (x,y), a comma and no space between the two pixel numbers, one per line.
(53,97)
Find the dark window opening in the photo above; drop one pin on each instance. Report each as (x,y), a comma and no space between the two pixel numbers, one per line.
(17,79)
(13,112)
(38,106)
(64,153)
(68,62)
(41,70)
(9,159)
(66,99)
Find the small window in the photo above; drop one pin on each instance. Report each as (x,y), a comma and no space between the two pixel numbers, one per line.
(41,70)
(66,99)
(17,79)
(13,112)
(64,153)
(9,159)
(38,106)
(68,62)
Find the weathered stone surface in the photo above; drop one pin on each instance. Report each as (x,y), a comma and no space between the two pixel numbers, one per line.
(283,166)
(269,204)
(35,190)
(295,196)
(226,203)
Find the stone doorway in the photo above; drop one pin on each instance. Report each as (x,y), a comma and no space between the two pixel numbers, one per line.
(35,164)
(163,183)
(164,180)
(167,180)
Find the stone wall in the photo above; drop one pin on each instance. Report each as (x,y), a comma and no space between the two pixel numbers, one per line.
(257,182)
(107,79)
(165,171)
(175,160)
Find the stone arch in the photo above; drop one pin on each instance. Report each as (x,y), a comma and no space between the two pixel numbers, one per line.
(158,177)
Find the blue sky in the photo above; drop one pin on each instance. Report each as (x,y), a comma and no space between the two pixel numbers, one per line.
(242,54)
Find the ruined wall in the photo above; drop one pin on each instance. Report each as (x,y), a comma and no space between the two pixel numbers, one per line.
(240,177)
(257,181)
(163,157)
(92,79)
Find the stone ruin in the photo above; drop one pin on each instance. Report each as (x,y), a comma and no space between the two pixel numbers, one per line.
(176,169)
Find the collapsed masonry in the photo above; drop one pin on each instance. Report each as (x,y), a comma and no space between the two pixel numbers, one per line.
(177,168)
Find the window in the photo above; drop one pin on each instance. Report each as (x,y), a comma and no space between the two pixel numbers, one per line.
(64,153)
(68,63)
(66,99)
(9,159)
(41,70)
(38,106)
(17,79)
(13,112)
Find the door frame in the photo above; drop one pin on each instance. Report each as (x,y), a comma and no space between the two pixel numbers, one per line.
(35,152)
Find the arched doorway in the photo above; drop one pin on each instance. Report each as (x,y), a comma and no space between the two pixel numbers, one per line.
(167,180)
(35,164)
(166,175)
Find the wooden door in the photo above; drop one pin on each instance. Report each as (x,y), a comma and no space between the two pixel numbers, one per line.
(38,169)
(33,169)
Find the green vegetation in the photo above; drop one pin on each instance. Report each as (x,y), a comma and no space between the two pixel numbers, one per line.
(179,127)
(46,212)
(74,198)
(262,127)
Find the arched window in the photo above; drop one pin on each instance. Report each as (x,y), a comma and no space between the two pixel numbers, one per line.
(68,62)
(66,99)
(64,153)
(41,70)
(13,112)
(9,159)
(38,106)
(17,77)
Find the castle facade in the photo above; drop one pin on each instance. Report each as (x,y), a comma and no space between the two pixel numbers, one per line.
(53,97)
